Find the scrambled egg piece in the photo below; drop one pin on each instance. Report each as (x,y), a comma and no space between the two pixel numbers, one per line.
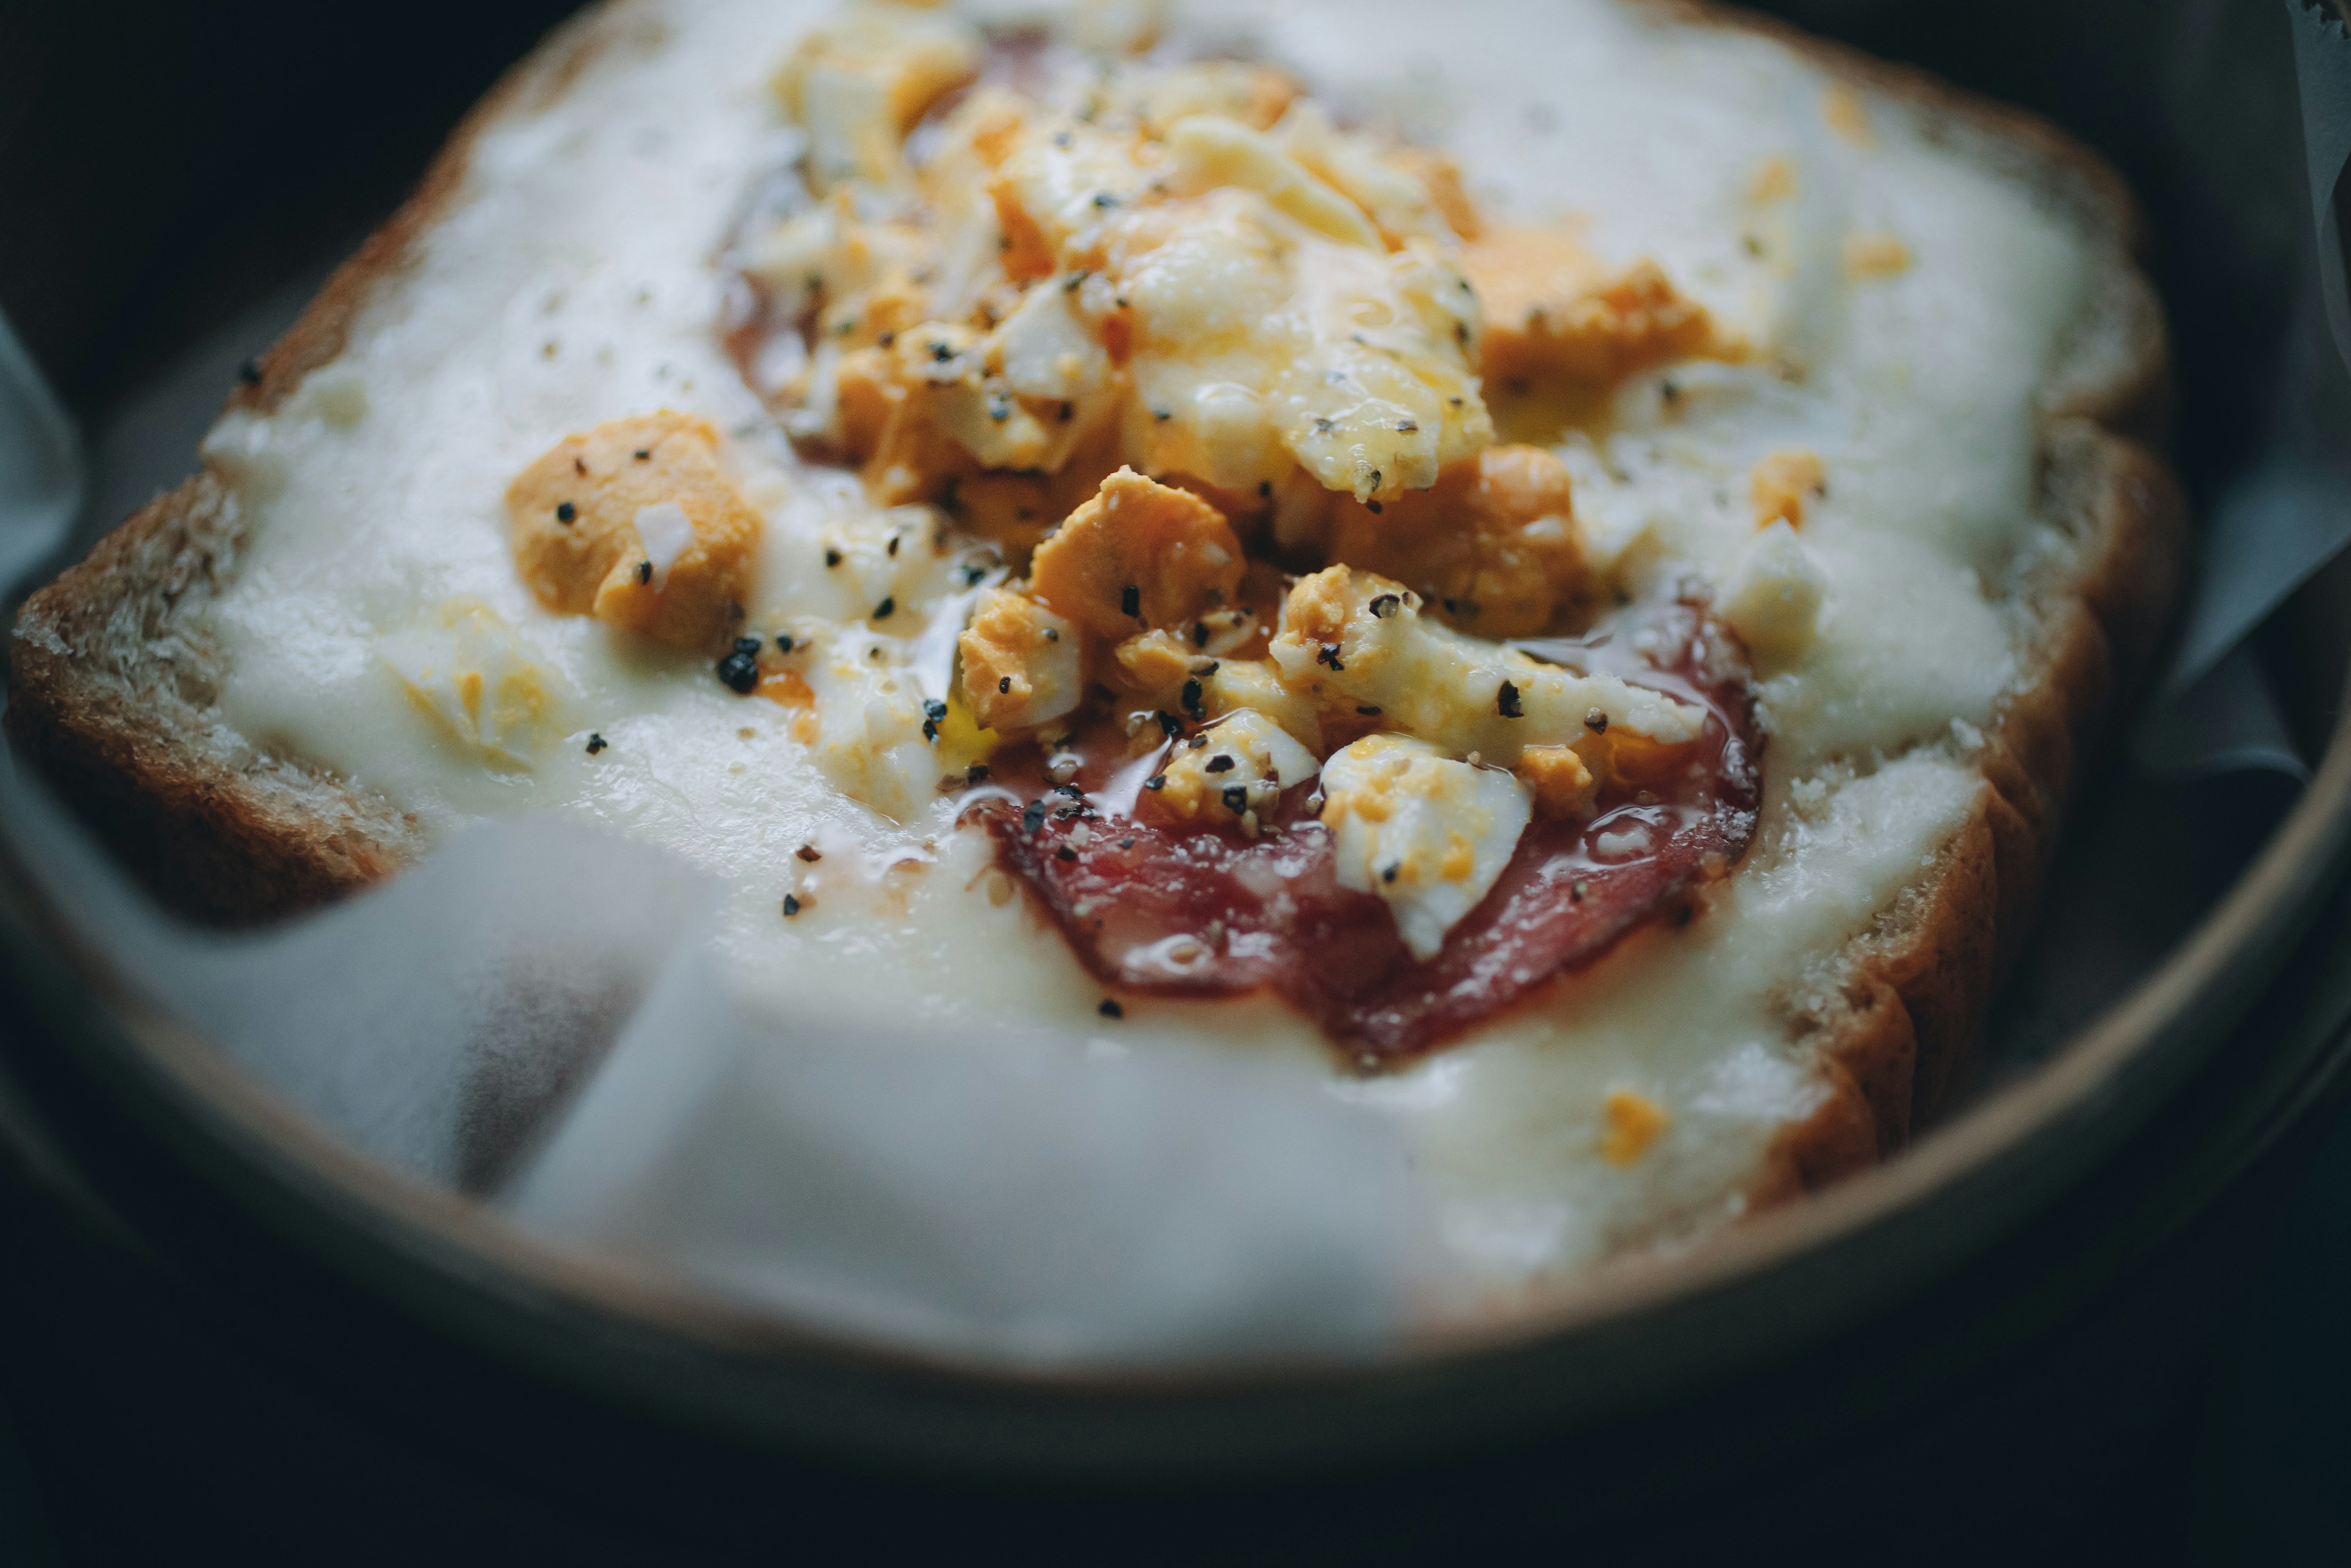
(636,524)
(1782,483)
(859,83)
(1156,96)
(1556,313)
(1633,1122)
(1774,597)
(1359,640)
(876,741)
(1408,193)
(1193,272)
(863,272)
(1022,665)
(475,675)
(1255,685)
(1157,663)
(1560,779)
(1428,835)
(1493,544)
(1235,770)
(1139,555)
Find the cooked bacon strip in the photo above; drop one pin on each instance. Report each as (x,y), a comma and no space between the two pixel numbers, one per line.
(1169,908)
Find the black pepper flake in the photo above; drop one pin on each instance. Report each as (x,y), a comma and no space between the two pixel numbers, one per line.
(1068,408)
(1004,686)
(1156,781)
(976,774)
(565,511)
(1065,854)
(974,575)
(1169,724)
(1069,283)
(783,642)
(933,708)
(1576,890)
(1321,425)
(1384,605)
(1265,489)
(1034,817)
(887,339)
(1200,633)
(1126,844)
(1670,391)
(1073,814)
(1506,702)
(1072,790)
(739,671)
(891,548)
(999,408)
(1596,722)
(809,853)
(1388,872)
(1206,668)
(791,906)
(1684,915)
(1220,763)
(644,572)
(596,743)
(1374,508)
(1367,712)
(1191,698)
(1236,799)
(1051,635)
(832,558)
(579,467)
(941,352)
(1196,743)
(1111,1009)
(644,454)
(1407,428)
(886,609)
(249,373)
(1130,601)
(1461,335)
(1329,655)
(1163,414)
(1105,199)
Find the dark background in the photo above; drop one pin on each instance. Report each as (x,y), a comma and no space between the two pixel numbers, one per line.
(163,168)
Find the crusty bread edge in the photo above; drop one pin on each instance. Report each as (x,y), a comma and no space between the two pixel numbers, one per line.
(200,829)
(1901,1031)
(208,838)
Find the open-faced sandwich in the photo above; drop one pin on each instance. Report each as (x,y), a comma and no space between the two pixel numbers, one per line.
(1556,561)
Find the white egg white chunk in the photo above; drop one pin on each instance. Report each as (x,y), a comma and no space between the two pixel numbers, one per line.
(1427,833)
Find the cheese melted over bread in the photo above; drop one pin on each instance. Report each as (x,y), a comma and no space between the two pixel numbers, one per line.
(1742,327)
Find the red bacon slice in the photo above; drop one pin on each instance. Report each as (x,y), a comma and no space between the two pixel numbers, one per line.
(1182,910)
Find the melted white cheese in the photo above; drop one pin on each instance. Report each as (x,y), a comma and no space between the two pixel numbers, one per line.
(572,280)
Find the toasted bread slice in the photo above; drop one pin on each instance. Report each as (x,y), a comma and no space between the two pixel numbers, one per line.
(116,675)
